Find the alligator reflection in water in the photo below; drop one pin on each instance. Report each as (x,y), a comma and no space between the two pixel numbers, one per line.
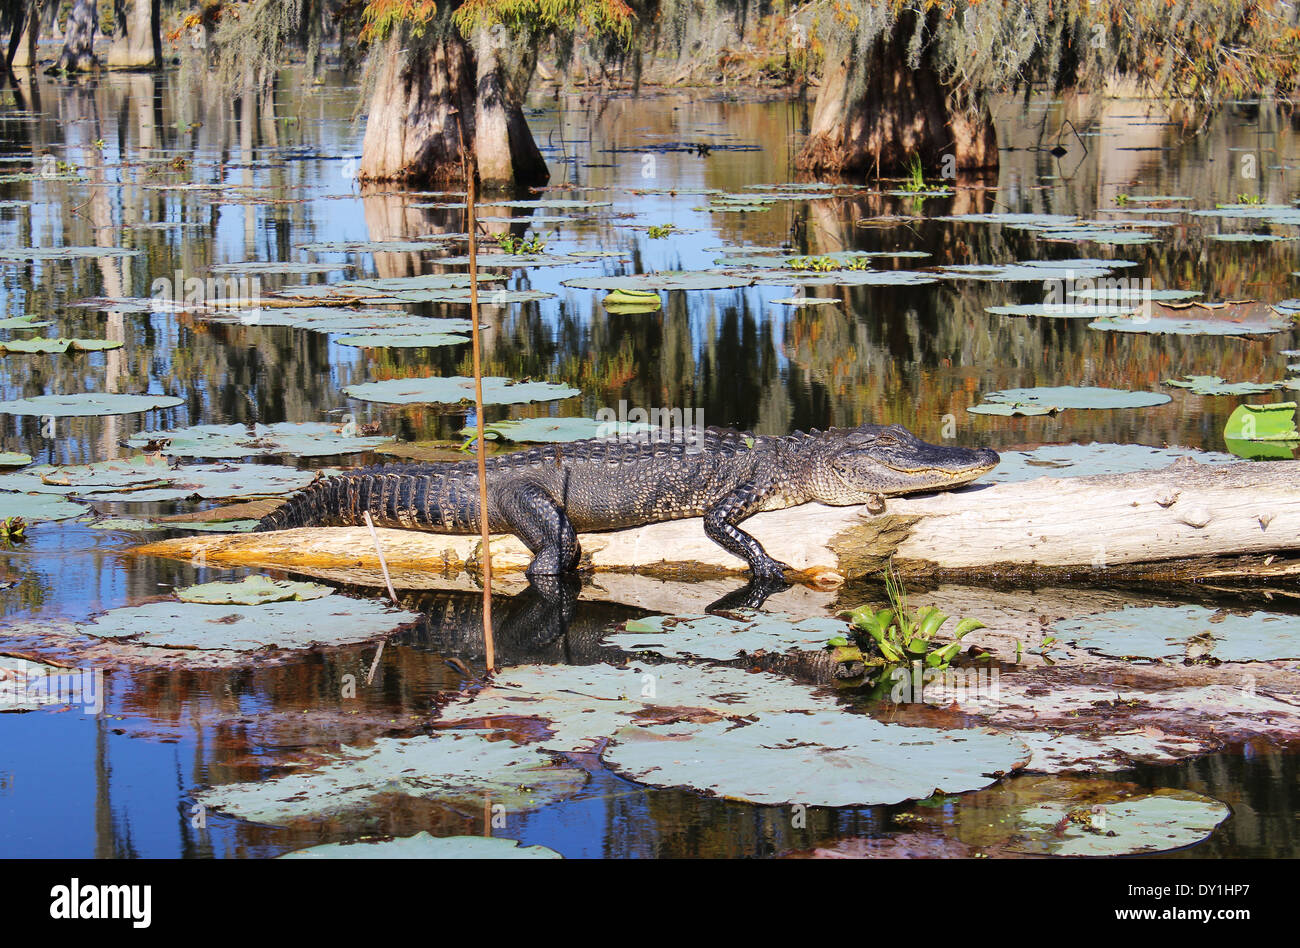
(543,623)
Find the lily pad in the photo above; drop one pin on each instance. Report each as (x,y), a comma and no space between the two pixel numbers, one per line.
(1214,385)
(58,345)
(452,390)
(1086,460)
(424,846)
(253,591)
(820,759)
(1057,310)
(457,768)
(723,639)
(584,704)
(1177,632)
(14,459)
(36,507)
(63,253)
(1071,816)
(669,280)
(82,404)
(1171,325)
(402,340)
(1272,422)
(302,439)
(555,430)
(330,621)
(147,479)
(1072,396)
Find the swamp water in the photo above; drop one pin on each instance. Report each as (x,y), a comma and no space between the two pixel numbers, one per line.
(191,190)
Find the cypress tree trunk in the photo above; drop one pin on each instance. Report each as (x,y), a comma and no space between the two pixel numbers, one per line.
(79,39)
(428,96)
(900,113)
(137,43)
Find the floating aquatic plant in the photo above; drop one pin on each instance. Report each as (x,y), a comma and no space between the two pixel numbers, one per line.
(900,635)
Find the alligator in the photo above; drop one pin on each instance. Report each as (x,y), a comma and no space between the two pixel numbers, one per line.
(547,495)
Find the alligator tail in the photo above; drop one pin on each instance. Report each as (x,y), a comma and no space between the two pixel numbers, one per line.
(319,504)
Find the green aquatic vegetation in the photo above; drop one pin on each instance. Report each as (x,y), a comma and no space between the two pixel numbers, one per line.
(13,530)
(829,264)
(1271,422)
(518,245)
(900,635)
(660,231)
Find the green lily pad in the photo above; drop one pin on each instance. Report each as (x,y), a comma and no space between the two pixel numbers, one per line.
(1056,310)
(14,459)
(1034,271)
(820,759)
(457,768)
(402,340)
(805,301)
(723,639)
(1214,385)
(1176,632)
(1133,294)
(1073,396)
(1070,816)
(1147,824)
(21,322)
(63,253)
(149,479)
(58,345)
(1170,325)
(36,507)
(301,439)
(125,524)
(278,266)
(1086,460)
(253,591)
(1014,409)
(581,705)
(82,404)
(424,846)
(1273,422)
(452,390)
(1248,238)
(555,430)
(331,621)
(668,280)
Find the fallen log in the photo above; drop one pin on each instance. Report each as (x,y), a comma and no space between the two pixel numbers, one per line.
(1183,523)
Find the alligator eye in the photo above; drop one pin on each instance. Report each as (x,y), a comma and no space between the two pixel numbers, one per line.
(886,440)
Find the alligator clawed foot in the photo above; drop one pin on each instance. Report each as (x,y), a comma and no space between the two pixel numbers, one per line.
(750,596)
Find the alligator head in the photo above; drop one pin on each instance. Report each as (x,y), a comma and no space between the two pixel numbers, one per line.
(861,465)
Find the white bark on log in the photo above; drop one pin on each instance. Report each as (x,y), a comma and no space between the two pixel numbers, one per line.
(1186,510)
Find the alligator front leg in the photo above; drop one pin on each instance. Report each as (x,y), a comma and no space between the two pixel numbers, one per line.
(536,518)
(720,524)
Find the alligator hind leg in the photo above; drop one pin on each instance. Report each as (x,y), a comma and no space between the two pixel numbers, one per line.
(535,517)
(720,524)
